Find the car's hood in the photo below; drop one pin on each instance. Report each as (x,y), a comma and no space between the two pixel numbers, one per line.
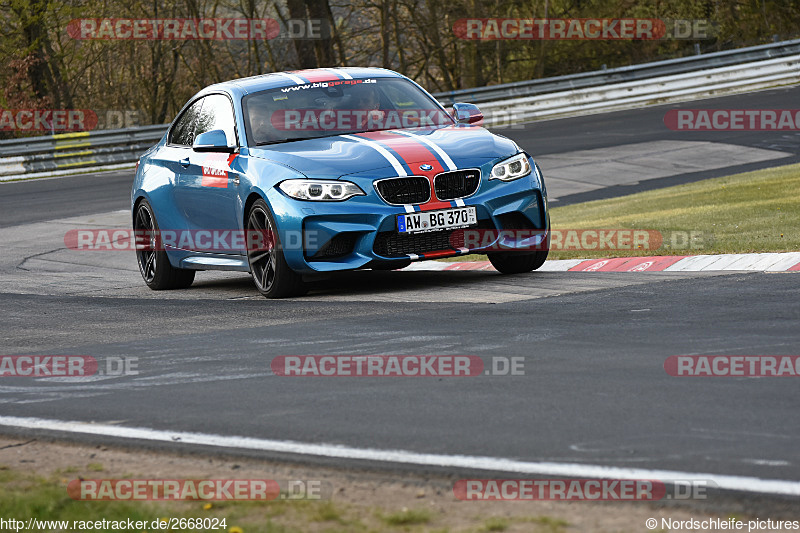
(379,152)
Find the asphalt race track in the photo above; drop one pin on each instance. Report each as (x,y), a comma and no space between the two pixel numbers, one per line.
(594,392)
(594,389)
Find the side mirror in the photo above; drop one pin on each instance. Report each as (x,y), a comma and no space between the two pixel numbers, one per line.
(467,113)
(212,141)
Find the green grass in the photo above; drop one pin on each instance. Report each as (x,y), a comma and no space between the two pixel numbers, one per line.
(743,213)
(549,524)
(24,495)
(496,524)
(408,517)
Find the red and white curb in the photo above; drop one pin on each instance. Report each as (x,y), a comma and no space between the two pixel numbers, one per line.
(769,262)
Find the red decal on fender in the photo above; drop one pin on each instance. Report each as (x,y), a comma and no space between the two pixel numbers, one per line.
(215,171)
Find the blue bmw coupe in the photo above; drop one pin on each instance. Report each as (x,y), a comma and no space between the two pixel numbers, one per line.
(333,169)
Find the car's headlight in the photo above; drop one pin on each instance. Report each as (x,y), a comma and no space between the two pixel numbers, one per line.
(320,190)
(511,169)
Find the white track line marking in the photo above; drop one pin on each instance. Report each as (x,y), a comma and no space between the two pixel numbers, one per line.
(493,464)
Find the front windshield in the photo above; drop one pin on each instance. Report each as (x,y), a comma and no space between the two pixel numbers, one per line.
(338,107)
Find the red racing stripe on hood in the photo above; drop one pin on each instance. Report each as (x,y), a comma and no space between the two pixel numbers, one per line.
(412,153)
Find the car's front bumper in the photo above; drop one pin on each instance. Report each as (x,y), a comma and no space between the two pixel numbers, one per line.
(362,231)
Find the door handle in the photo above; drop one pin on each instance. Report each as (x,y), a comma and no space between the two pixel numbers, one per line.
(184,162)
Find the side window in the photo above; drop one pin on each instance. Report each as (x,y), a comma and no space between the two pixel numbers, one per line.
(216,114)
(183,132)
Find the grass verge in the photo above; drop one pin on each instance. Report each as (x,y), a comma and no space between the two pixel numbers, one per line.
(744,213)
(26,496)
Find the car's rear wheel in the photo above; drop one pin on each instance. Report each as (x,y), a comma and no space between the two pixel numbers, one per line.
(271,274)
(518,262)
(154,264)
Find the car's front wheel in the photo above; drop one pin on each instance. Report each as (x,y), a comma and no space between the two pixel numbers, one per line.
(154,264)
(271,274)
(519,262)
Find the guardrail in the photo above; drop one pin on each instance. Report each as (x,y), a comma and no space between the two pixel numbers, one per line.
(661,90)
(622,74)
(673,80)
(61,152)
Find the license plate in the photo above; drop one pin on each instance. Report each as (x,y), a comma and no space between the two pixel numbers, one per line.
(459,217)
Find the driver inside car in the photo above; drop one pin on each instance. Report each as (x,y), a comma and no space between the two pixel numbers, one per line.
(260,124)
(366,98)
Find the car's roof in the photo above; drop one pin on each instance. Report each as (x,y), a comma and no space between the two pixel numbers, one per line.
(300,77)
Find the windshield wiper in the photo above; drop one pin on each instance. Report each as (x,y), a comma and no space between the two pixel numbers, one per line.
(326,136)
(302,139)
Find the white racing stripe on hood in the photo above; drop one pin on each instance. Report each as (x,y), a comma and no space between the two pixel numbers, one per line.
(398,167)
(433,146)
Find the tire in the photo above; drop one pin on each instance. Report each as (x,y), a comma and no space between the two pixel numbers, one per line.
(389,265)
(271,274)
(518,263)
(154,265)
(515,263)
